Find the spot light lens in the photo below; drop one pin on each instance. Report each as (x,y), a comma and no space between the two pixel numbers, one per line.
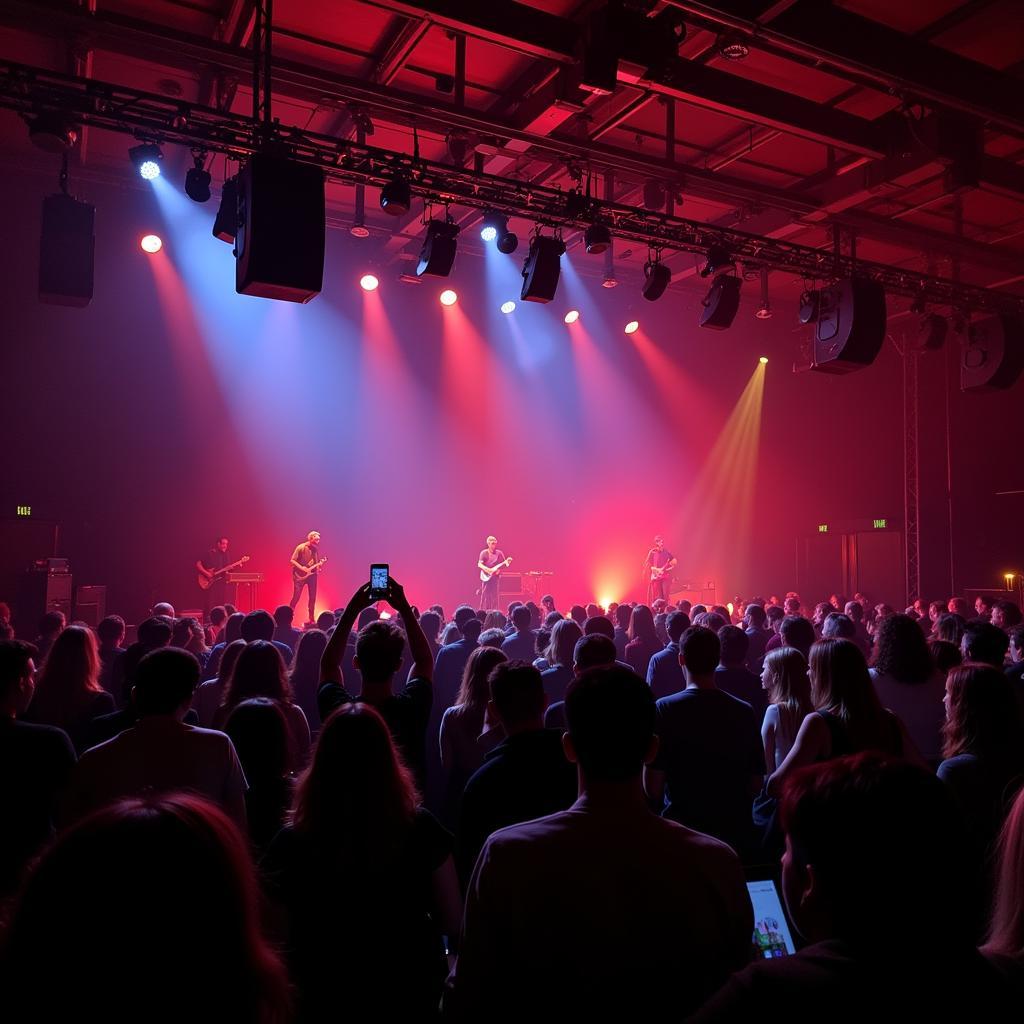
(632,327)
(151,243)
(368,282)
(508,307)
(572,316)
(448,297)
(763,360)
(149,169)
(489,234)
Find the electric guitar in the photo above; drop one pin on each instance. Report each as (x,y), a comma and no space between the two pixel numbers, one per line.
(308,571)
(659,573)
(205,582)
(486,574)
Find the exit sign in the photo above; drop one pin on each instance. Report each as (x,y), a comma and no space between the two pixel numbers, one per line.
(822,527)
(880,524)
(24,510)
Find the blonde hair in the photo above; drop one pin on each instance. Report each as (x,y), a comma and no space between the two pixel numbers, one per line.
(788,683)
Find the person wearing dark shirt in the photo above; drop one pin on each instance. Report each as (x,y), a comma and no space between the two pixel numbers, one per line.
(110,633)
(305,556)
(621,638)
(259,625)
(209,566)
(284,631)
(526,776)
(489,563)
(658,565)
(732,675)
(593,651)
(154,632)
(711,758)
(755,625)
(519,646)
(379,649)
(559,656)
(35,765)
(664,673)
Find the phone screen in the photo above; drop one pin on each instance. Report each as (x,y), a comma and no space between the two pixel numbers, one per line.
(378,581)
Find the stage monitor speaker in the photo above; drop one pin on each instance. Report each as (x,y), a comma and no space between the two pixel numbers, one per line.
(992,354)
(850,327)
(66,251)
(43,592)
(279,245)
(510,583)
(721,303)
(91,605)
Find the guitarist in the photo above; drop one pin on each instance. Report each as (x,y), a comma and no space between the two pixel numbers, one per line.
(305,567)
(490,563)
(660,563)
(207,566)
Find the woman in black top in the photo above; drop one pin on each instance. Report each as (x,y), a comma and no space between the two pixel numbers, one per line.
(365,881)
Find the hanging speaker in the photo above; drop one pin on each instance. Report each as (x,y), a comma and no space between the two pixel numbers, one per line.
(721,303)
(66,250)
(992,354)
(931,332)
(850,327)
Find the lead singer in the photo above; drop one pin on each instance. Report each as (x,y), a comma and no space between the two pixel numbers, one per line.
(490,563)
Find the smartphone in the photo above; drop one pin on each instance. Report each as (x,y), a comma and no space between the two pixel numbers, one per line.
(379,581)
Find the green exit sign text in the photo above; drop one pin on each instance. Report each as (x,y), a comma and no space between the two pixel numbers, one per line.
(822,527)
(880,524)
(24,510)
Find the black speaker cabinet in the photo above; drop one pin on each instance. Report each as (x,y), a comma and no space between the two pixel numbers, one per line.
(66,249)
(721,303)
(992,354)
(43,592)
(279,245)
(851,326)
(90,605)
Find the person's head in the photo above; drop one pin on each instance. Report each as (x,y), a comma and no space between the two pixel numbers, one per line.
(187,631)
(861,861)
(366,616)
(983,606)
(313,538)
(593,609)
(379,649)
(775,615)
(958,606)
(517,697)
(541,639)
(715,621)
(1016,636)
(521,618)
(430,623)
(51,624)
(796,631)
(950,627)
(622,616)
(357,793)
(165,681)
(17,675)
(593,651)
(1005,614)
(308,651)
(186,905)
(791,606)
(734,644)
(563,643)
(984,642)
(232,627)
(547,602)
(492,544)
(221,544)
(841,684)
(111,632)
(610,717)
(840,625)
(257,625)
(784,679)
(325,621)
(259,672)
(854,611)
(71,671)
(284,615)
(755,616)
(944,655)
(901,650)
(230,608)
(229,659)
(821,610)
(492,638)
(259,731)
(578,614)
(699,653)
(471,630)
(462,615)
(982,716)
(473,693)
(659,543)
(218,616)
(685,606)
(676,623)
(164,608)
(534,614)
(1006,933)
(549,620)
(641,625)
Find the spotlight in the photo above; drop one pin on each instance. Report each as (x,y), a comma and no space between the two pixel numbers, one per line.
(225,224)
(197,180)
(438,252)
(610,280)
(396,197)
(656,279)
(597,239)
(508,243)
(632,327)
(52,134)
(732,46)
(721,303)
(542,268)
(718,259)
(359,230)
(764,311)
(810,301)
(448,297)
(572,316)
(508,307)
(151,243)
(496,228)
(147,158)
(368,282)
(489,234)
(763,360)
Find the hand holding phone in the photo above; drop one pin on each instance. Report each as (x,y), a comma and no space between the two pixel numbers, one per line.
(379,576)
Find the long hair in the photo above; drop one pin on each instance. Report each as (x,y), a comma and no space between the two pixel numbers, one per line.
(1006,934)
(495,620)
(982,717)
(474,692)
(228,660)
(563,643)
(259,672)
(357,795)
(306,660)
(901,650)
(641,624)
(69,677)
(788,684)
(233,627)
(841,685)
(185,904)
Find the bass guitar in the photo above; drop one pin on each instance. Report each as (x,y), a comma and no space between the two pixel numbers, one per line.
(486,574)
(305,574)
(205,582)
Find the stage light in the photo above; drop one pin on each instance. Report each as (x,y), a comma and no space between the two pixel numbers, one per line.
(508,307)
(151,243)
(396,197)
(489,234)
(718,259)
(632,327)
(763,360)
(197,180)
(147,158)
(52,133)
(597,238)
(572,316)
(721,303)
(764,311)
(225,224)
(438,252)
(657,278)
(496,229)
(732,46)
(654,195)
(368,282)
(542,269)
(448,297)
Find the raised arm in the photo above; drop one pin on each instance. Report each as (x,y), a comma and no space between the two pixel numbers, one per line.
(423,660)
(330,660)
